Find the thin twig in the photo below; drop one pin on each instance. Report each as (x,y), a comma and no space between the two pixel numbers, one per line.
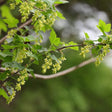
(18,28)
(80,45)
(21,26)
(51,76)
(64,47)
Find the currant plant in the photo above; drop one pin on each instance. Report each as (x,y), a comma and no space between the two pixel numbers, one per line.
(100,47)
(20,49)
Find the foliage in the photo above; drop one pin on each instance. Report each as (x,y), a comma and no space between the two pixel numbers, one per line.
(21,49)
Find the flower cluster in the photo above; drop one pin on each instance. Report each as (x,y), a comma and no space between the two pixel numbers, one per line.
(38,40)
(25,9)
(100,57)
(11,33)
(85,49)
(12,95)
(40,20)
(20,55)
(51,19)
(42,16)
(57,65)
(36,15)
(12,6)
(42,5)
(21,79)
(14,3)
(49,63)
(20,82)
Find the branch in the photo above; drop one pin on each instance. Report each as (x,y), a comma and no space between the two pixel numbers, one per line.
(78,45)
(64,47)
(51,76)
(65,71)
(21,26)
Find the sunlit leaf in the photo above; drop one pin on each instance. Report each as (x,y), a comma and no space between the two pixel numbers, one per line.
(3,93)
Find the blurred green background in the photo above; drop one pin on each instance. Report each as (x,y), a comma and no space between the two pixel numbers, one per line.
(88,89)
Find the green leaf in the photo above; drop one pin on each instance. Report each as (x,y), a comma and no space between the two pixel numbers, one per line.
(9,40)
(72,43)
(10,90)
(104,27)
(102,23)
(49,2)
(53,39)
(52,36)
(103,36)
(9,46)
(5,54)
(60,15)
(18,1)
(60,2)
(110,46)
(31,72)
(52,2)
(86,35)
(101,26)
(3,26)
(100,40)
(30,54)
(3,75)
(89,41)
(96,50)
(29,38)
(54,58)
(9,19)
(13,65)
(3,93)
(107,28)
(11,22)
